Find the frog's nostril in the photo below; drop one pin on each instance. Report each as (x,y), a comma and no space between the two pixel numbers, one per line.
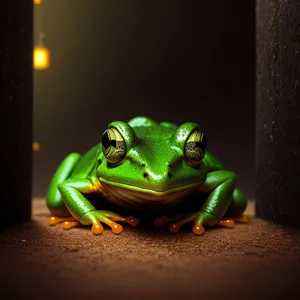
(145,174)
(169,165)
(143,164)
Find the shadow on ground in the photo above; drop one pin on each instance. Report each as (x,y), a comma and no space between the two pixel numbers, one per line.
(260,260)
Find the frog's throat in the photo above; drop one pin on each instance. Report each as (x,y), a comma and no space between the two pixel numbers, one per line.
(181,188)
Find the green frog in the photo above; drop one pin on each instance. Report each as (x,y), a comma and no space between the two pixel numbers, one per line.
(150,167)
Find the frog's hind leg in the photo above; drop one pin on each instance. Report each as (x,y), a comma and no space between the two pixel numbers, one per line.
(55,202)
(235,211)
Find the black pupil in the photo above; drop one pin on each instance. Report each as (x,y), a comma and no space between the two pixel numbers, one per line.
(202,145)
(106,141)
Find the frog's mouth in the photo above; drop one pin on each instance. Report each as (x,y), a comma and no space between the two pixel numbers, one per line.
(131,193)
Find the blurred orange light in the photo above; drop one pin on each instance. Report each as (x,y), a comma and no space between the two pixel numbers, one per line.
(41,58)
(37,1)
(36,146)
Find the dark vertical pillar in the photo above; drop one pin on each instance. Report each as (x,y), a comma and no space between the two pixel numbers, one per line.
(16,20)
(278,111)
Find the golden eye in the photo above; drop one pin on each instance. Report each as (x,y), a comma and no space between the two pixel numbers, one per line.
(113,146)
(195,147)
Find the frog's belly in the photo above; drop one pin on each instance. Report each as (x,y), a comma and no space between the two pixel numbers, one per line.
(136,200)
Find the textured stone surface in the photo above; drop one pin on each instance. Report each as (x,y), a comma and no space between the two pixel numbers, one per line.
(278,111)
(15,110)
(259,260)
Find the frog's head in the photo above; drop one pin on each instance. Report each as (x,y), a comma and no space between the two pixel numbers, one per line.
(152,166)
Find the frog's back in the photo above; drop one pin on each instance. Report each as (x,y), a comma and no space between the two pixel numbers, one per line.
(146,128)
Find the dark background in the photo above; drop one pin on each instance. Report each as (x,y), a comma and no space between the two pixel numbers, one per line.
(170,60)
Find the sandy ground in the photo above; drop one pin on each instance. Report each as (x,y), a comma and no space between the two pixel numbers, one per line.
(260,260)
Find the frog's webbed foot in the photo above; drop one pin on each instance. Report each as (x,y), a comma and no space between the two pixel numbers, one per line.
(229,222)
(67,222)
(164,219)
(181,220)
(96,217)
(200,220)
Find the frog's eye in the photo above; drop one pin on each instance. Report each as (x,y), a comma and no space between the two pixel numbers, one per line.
(113,146)
(195,147)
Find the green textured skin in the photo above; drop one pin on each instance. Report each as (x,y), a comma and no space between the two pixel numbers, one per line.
(156,150)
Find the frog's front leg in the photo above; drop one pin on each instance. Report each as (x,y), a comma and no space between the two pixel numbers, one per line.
(84,212)
(220,187)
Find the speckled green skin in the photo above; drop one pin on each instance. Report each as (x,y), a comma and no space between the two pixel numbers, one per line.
(154,171)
